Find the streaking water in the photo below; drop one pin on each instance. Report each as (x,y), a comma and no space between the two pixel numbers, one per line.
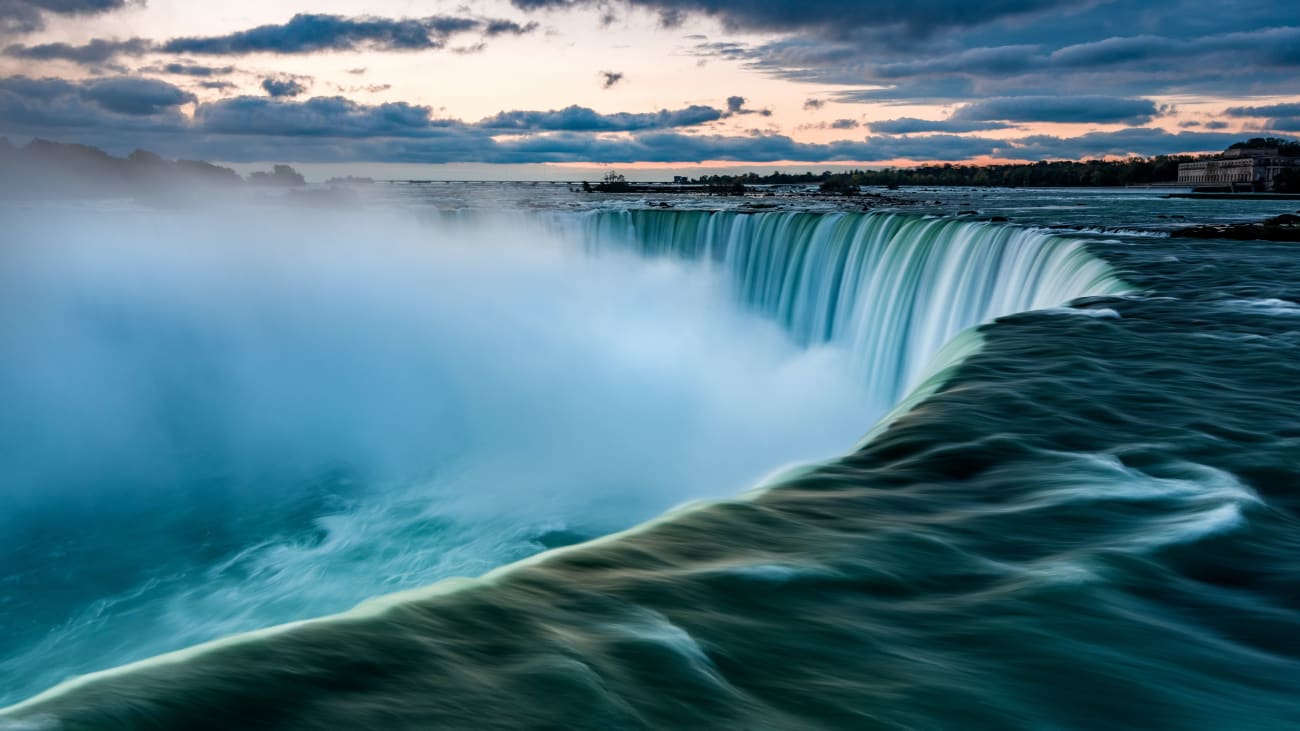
(1089,524)
(316,422)
(218,423)
(891,288)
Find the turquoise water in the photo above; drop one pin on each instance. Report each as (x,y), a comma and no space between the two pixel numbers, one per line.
(1093,501)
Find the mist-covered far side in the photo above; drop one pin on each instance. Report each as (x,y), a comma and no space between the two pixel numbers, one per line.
(43,170)
(218,420)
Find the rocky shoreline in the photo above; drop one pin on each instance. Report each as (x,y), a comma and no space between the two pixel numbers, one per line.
(1285,228)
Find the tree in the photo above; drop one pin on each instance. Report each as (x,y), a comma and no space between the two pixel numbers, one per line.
(1287,181)
(279,175)
(840,185)
(613,182)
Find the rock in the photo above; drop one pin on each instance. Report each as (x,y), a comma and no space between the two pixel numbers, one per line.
(1286,219)
(1281,228)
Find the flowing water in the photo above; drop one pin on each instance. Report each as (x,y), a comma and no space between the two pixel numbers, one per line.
(1079,516)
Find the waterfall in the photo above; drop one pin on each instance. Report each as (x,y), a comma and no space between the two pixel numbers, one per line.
(892,288)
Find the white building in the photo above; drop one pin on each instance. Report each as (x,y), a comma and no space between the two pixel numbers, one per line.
(1251,167)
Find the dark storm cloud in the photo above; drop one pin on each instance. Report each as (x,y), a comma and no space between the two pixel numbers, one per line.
(309,33)
(1100,109)
(94,53)
(582,119)
(911,125)
(283,87)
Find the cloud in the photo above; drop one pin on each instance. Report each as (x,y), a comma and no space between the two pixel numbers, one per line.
(845,124)
(1132,141)
(1085,108)
(813,104)
(986,60)
(26,16)
(366,88)
(283,87)
(1291,109)
(1180,48)
(736,106)
(309,33)
(582,119)
(93,53)
(935,91)
(185,69)
(43,89)
(1284,117)
(659,146)
(911,125)
(135,96)
(316,117)
(123,113)
(610,78)
(499,27)
(832,17)
(120,105)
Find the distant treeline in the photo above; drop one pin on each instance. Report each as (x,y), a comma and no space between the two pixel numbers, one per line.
(41,169)
(1046,174)
(1056,173)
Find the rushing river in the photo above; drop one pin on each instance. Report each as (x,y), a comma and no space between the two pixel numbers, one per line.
(1075,505)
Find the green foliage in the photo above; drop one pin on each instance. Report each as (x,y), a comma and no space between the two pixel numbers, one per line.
(840,185)
(1287,181)
(1285,147)
(1042,174)
(725,184)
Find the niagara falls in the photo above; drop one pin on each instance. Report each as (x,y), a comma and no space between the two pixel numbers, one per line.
(649,364)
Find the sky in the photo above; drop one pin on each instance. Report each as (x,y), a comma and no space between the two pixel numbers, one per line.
(561,88)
